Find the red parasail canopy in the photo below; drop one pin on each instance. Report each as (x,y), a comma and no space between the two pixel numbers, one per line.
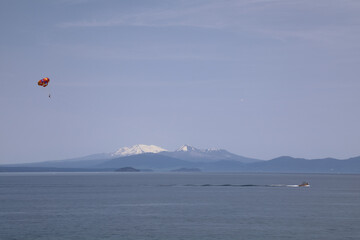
(44,82)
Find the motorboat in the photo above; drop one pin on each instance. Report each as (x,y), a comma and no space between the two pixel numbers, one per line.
(304,184)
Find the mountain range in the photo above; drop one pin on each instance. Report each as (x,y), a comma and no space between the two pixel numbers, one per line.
(154,158)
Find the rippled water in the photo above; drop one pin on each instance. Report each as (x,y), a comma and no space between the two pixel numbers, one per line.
(178,206)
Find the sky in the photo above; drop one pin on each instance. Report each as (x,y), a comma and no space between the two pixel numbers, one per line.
(259,78)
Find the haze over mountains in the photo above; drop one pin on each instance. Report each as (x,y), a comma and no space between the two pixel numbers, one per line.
(154,158)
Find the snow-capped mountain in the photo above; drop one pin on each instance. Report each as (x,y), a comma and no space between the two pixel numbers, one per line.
(137,149)
(150,157)
(187,148)
(193,154)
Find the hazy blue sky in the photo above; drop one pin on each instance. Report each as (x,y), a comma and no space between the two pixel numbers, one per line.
(260,78)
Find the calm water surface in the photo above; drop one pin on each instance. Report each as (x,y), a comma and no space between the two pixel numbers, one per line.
(178,206)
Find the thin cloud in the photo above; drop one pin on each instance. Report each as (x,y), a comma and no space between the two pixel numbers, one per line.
(277,19)
(209,14)
(160,18)
(328,35)
(172,52)
(75,2)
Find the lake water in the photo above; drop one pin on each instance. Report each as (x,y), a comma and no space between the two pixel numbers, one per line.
(175,206)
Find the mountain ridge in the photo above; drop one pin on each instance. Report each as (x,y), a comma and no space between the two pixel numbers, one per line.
(207,160)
